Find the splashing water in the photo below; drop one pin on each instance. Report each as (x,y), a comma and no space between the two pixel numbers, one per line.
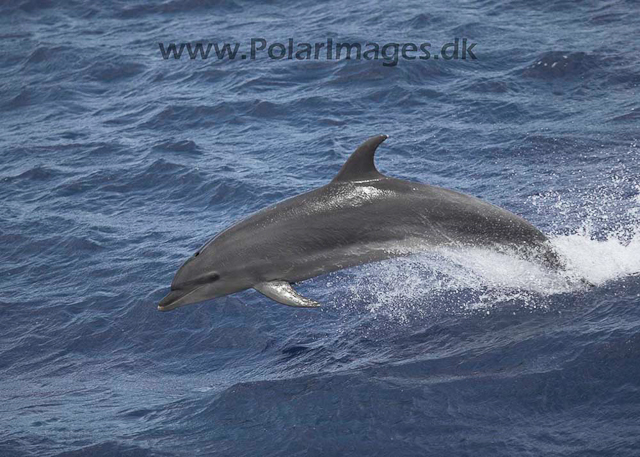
(478,280)
(600,261)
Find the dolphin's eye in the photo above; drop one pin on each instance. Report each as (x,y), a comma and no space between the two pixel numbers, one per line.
(196,254)
(214,277)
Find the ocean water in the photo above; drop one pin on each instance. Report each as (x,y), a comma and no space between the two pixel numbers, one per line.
(116,164)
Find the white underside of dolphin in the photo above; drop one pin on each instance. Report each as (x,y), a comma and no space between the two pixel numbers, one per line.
(361,216)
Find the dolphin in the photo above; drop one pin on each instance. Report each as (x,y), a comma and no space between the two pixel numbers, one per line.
(361,216)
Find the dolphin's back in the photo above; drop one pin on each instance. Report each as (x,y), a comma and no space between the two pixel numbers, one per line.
(349,223)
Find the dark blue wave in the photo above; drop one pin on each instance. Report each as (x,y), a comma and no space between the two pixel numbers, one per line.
(117,164)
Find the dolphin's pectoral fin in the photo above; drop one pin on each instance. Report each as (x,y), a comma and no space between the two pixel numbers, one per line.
(282,292)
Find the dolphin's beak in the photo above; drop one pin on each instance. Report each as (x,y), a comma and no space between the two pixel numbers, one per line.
(177,298)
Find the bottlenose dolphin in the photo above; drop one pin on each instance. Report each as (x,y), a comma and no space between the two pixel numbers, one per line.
(361,216)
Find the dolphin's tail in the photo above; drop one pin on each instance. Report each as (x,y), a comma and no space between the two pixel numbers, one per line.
(554,261)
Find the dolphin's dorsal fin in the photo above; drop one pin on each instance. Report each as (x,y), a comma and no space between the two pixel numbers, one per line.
(360,166)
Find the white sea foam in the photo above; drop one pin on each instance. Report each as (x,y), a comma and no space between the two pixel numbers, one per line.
(599,261)
(479,280)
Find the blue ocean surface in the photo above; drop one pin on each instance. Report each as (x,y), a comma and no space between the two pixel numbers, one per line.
(117,164)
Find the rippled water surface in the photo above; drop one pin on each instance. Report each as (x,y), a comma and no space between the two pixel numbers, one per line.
(116,164)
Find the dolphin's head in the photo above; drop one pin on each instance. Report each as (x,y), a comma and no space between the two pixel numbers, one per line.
(202,277)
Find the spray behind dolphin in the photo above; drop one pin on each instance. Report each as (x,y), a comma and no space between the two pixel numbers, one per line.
(361,216)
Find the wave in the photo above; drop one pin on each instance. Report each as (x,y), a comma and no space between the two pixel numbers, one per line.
(474,279)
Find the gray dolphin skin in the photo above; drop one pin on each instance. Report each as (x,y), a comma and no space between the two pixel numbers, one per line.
(361,216)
